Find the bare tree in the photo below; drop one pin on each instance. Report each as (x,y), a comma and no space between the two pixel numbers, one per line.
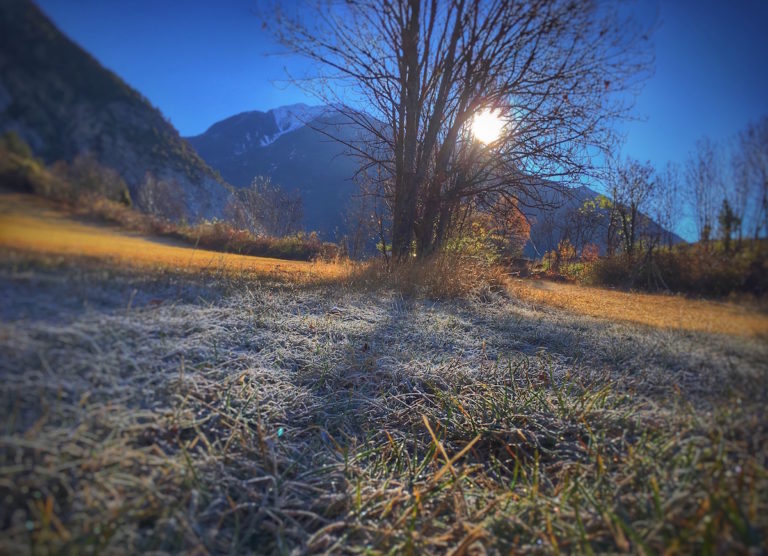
(163,198)
(750,167)
(583,223)
(414,73)
(705,185)
(633,185)
(362,225)
(666,205)
(266,209)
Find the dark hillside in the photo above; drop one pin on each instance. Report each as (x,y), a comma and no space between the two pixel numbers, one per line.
(63,102)
(303,158)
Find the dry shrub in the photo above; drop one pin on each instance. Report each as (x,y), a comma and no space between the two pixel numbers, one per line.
(98,208)
(213,235)
(223,236)
(692,269)
(715,272)
(590,253)
(442,276)
(19,171)
(86,178)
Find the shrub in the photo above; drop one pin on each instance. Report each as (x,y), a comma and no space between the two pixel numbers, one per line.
(694,269)
(445,275)
(12,143)
(590,253)
(218,235)
(609,271)
(89,178)
(19,171)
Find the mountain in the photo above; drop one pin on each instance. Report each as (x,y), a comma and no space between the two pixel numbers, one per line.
(290,145)
(63,102)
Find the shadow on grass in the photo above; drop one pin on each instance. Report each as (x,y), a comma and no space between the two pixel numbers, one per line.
(242,416)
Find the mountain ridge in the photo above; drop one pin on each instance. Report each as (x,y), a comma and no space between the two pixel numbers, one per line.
(298,157)
(307,159)
(63,102)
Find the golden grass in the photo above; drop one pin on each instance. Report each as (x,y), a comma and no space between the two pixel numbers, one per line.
(35,226)
(662,311)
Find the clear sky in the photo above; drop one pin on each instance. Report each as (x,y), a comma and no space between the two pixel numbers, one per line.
(711,76)
(202,61)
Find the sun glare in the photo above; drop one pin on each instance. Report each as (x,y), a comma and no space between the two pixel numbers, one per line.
(487,126)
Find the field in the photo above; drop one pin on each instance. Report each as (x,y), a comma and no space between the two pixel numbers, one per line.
(157,398)
(663,311)
(36,226)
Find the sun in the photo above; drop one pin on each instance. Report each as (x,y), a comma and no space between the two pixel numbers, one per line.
(487,126)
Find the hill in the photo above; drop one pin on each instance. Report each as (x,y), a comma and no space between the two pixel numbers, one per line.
(63,102)
(290,145)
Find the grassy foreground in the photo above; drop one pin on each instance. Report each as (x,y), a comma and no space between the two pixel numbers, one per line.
(149,409)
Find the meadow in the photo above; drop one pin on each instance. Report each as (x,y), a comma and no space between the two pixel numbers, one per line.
(156,397)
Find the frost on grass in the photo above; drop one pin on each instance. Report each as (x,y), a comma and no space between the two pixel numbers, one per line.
(162,413)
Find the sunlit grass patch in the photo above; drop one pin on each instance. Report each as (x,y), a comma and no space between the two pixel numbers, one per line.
(31,226)
(665,311)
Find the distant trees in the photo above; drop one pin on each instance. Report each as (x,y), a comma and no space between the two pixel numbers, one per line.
(633,186)
(89,176)
(750,169)
(666,206)
(730,200)
(491,230)
(583,225)
(510,225)
(705,185)
(265,208)
(364,220)
(161,198)
(728,222)
(414,73)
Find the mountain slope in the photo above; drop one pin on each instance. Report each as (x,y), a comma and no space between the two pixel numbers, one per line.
(286,145)
(61,101)
(557,221)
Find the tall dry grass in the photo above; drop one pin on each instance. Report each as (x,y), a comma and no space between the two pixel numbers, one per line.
(441,276)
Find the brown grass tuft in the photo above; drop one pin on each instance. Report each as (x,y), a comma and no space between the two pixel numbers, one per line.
(442,276)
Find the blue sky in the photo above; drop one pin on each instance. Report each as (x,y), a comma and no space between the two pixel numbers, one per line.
(711,77)
(202,61)
(197,61)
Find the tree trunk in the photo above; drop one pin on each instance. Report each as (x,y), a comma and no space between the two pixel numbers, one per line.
(403,218)
(404,210)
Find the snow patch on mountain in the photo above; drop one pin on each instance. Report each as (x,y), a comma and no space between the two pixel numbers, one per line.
(290,118)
